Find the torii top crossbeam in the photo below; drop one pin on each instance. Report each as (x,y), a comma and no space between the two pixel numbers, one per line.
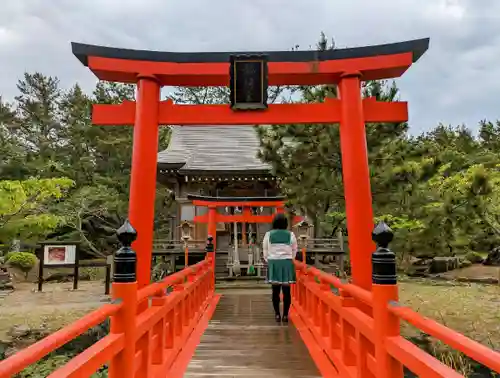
(284,68)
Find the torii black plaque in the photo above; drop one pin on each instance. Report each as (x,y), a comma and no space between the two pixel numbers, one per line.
(248,82)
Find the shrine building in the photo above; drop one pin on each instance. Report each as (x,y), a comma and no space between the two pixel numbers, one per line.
(220,162)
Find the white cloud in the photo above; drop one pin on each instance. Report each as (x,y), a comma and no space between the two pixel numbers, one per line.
(455,82)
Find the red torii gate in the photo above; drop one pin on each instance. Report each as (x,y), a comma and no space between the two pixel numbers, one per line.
(246,203)
(212,217)
(346,67)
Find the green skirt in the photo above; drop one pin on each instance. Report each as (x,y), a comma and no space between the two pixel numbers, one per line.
(281,272)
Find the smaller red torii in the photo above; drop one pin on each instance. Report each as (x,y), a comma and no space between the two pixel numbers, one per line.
(246,203)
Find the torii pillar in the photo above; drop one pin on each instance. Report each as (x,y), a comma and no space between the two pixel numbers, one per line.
(356,177)
(143,173)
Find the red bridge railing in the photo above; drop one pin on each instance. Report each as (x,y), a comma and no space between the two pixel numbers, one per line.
(356,332)
(359,331)
(149,327)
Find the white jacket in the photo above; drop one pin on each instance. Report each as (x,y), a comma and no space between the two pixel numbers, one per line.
(279,251)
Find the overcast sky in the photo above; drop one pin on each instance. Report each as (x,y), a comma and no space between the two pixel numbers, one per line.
(455,82)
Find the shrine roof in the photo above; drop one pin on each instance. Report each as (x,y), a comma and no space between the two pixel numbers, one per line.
(206,150)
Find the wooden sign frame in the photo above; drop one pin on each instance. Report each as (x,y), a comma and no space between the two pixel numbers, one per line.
(76,265)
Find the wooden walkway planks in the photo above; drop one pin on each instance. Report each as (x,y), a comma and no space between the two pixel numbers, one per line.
(243,340)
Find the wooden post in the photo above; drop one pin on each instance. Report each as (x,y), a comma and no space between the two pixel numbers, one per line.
(340,237)
(107,283)
(109,261)
(76,271)
(41,258)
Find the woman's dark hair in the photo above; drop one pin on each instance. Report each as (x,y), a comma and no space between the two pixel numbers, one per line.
(280,222)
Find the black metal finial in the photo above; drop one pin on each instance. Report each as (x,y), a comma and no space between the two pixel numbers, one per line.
(125,259)
(382,235)
(126,234)
(210,244)
(383,259)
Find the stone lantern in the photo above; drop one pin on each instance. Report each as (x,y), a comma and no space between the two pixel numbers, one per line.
(303,231)
(186,236)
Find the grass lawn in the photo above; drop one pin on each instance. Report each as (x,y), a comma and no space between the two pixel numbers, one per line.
(46,318)
(57,306)
(471,309)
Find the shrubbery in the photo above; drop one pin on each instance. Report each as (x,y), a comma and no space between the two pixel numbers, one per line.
(25,261)
(474,257)
(7,256)
(45,366)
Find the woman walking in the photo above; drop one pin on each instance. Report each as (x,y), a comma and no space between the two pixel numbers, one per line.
(279,248)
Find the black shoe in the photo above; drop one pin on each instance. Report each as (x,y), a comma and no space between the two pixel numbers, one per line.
(285,319)
(277,317)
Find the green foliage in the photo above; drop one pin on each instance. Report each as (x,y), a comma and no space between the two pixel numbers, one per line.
(44,367)
(24,261)
(8,255)
(474,257)
(24,206)
(91,211)
(439,191)
(94,273)
(46,134)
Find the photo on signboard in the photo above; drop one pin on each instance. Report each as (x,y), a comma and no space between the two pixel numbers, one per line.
(59,254)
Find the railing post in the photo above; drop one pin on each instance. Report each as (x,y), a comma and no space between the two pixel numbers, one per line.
(304,294)
(325,323)
(293,287)
(190,298)
(179,311)
(347,331)
(159,331)
(385,289)
(301,288)
(170,330)
(124,289)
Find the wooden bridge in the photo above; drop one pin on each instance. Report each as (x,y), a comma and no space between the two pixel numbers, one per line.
(181,326)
